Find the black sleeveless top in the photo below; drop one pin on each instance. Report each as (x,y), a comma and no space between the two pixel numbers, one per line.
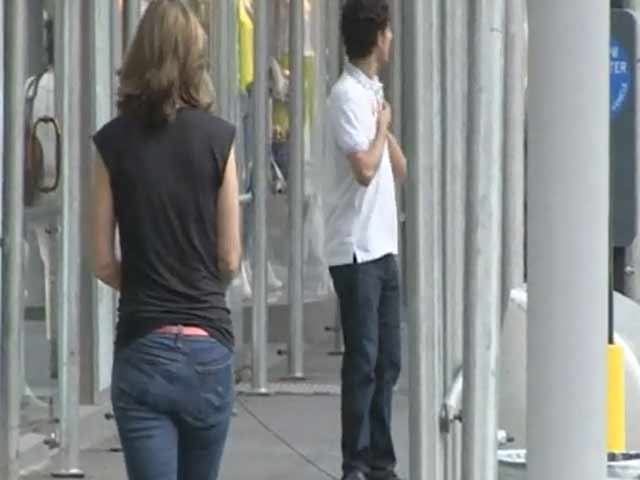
(165,184)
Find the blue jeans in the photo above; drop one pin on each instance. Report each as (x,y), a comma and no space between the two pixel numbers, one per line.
(370,312)
(172,398)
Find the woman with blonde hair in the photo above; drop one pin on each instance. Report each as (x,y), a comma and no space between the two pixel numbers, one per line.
(166,177)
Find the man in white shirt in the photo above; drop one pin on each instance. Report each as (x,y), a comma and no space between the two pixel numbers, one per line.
(362,240)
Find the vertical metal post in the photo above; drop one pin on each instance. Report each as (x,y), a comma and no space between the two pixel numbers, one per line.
(116,47)
(333,39)
(67,74)
(35,59)
(260,311)
(393,87)
(422,127)
(456,55)
(338,339)
(12,235)
(632,264)
(224,73)
(395,75)
(222,52)
(100,98)
(296,190)
(3,70)
(568,238)
(131,19)
(514,138)
(484,248)
(334,51)
(456,73)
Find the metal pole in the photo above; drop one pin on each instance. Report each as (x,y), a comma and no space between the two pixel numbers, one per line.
(222,52)
(395,74)
(333,40)
(484,248)
(296,190)
(393,88)
(117,49)
(67,74)
(456,71)
(224,68)
(422,126)
(3,71)
(338,340)
(260,311)
(514,168)
(334,51)
(12,237)
(131,18)
(100,100)
(632,264)
(568,238)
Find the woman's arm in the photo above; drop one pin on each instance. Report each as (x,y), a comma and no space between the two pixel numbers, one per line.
(106,266)
(228,220)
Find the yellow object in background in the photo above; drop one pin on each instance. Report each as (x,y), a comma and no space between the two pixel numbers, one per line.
(616,438)
(281,109)
(245,46)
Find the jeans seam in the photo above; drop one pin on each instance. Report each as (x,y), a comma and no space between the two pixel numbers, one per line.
(213,368)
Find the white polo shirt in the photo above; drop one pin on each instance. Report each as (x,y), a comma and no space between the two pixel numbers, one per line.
(360,221)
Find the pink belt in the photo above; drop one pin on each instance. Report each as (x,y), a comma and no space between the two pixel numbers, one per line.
(183,330)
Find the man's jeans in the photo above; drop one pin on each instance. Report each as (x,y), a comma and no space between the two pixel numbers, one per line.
(172,397)
(369,308)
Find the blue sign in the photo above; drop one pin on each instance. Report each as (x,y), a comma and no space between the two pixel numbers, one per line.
(620,77)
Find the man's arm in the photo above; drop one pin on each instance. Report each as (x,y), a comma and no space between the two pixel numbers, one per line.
(365,163)
(398,160)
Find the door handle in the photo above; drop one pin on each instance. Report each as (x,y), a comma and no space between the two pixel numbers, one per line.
(58,151)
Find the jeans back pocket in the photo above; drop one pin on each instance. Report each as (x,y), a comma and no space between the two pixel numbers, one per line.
(212,365)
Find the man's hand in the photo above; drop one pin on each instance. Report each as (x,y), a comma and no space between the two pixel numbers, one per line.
(384,117)
(365,164)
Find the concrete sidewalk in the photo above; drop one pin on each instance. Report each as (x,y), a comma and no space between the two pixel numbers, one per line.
(279,437)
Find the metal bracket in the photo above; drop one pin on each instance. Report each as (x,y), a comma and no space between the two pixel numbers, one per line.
(451,410)
(72,473)
(504,438)
(51,441)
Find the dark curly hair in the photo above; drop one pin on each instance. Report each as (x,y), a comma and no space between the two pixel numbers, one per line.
(362,21)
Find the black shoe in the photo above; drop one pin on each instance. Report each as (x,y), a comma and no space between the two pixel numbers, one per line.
(354,476)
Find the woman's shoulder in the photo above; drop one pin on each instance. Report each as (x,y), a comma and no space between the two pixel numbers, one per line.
(205,119)
(110,137)
(209,124)
(113,127)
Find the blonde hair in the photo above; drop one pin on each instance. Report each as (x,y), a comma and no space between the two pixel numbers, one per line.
(165,67)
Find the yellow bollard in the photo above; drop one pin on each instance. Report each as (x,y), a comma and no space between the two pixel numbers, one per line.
(616,441)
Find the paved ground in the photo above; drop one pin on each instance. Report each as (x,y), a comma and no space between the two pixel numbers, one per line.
(281,437)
